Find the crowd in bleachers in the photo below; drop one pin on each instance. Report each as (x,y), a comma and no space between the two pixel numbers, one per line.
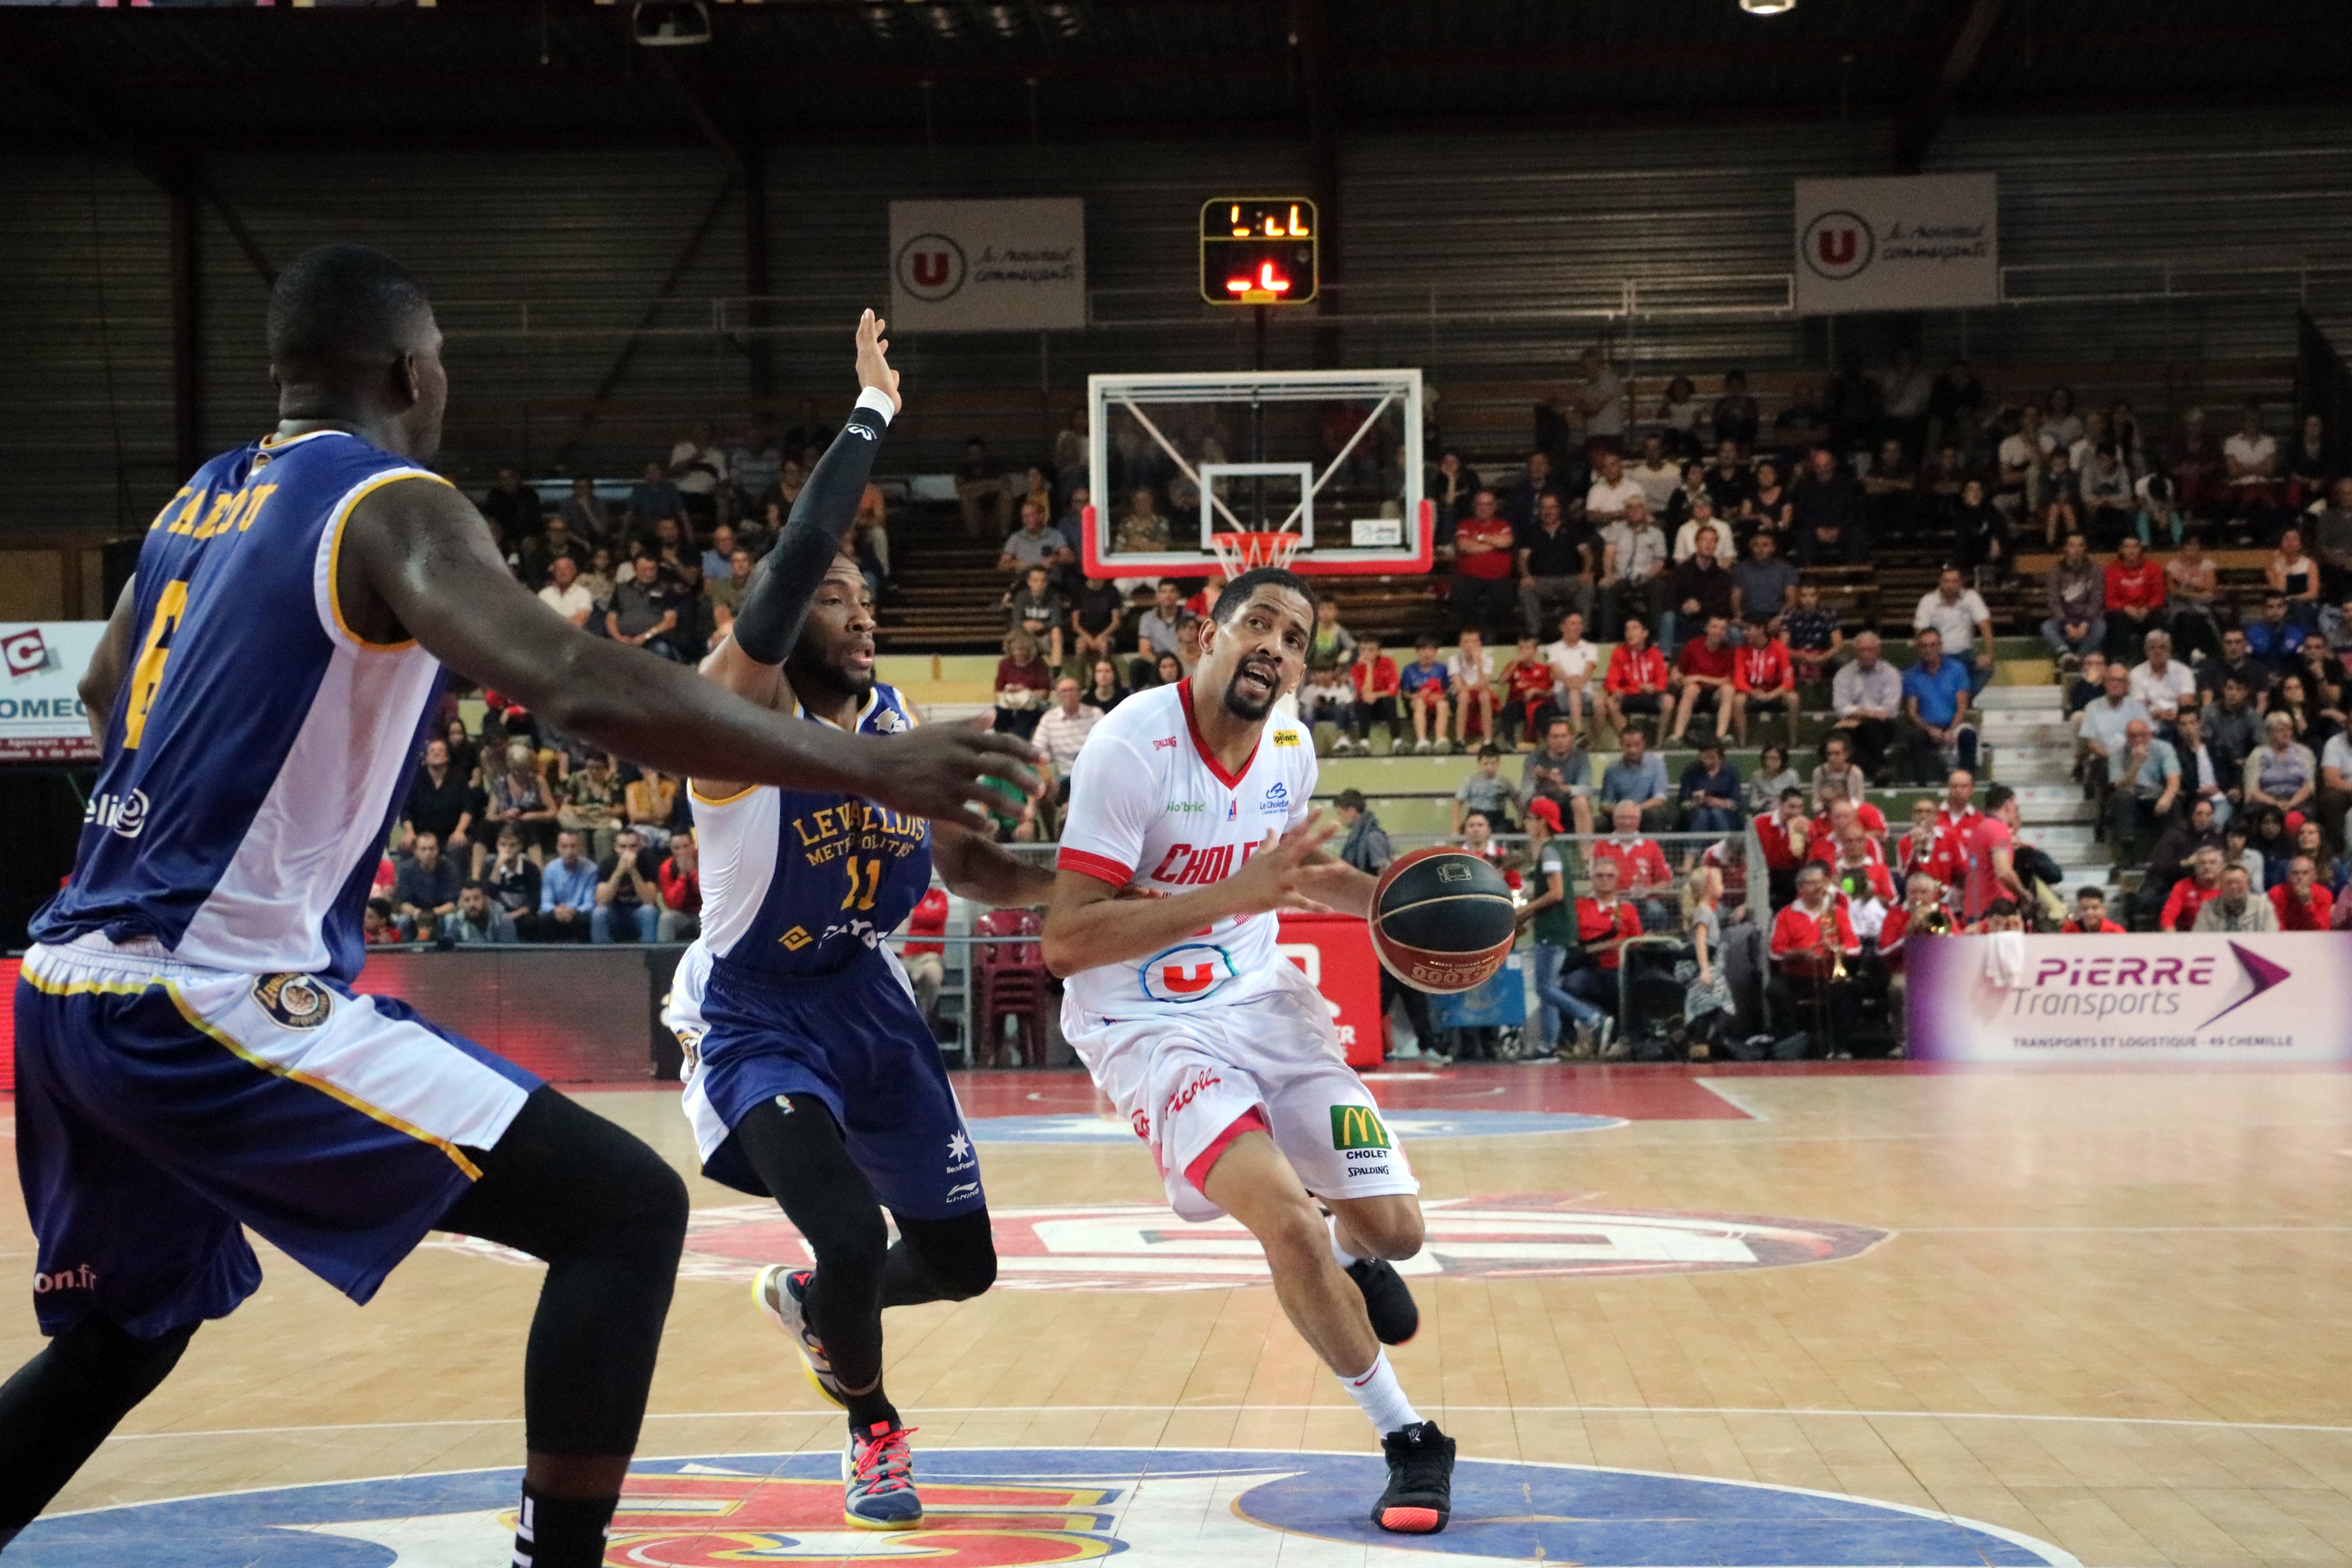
(1697,575)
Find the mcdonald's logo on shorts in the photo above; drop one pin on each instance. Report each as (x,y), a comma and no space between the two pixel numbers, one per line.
(1357,1127)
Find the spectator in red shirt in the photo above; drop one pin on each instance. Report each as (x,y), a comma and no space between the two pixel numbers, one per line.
(1604,923)
(923,961)
(1637,678)
(2190,894)
(1484,597)
(1786,838)
(2090,917)
(377,926)
(1762,676)
(1375,678)
(1923,895)
(1829,827)
(1704,672)
(1928,850)
(2134,600)
(1528,684)
(1808,937)
(680,877)
(1640,865)
(2302,905)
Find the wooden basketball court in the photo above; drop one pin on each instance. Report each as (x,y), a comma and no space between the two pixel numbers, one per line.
(2101,1312)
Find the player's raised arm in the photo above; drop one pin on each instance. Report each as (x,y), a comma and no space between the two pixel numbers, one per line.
(419,561)
(769,621)
(1088,924)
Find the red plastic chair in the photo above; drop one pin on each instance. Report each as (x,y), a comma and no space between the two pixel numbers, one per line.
(1011,979)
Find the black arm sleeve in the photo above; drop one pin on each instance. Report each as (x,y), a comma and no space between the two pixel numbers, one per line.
(767,623)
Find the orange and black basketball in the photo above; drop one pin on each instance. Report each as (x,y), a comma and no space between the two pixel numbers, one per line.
(1443,920)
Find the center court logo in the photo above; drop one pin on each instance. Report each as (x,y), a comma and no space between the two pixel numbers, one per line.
(1144,1247)
(1011,1507)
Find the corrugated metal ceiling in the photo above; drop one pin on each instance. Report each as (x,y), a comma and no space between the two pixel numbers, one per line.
(567,66)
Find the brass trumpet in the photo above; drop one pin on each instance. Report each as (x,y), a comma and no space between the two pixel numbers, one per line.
(1829,941)
(1937,922)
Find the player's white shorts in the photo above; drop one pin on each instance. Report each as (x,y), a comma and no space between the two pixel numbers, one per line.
(1184,1080)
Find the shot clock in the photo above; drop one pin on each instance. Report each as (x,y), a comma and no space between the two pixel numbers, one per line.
(1258,250)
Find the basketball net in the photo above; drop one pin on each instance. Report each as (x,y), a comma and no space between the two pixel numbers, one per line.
(1240,552)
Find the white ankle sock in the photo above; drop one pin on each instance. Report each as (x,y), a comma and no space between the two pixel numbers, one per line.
(1377,1393)
(1339,1254)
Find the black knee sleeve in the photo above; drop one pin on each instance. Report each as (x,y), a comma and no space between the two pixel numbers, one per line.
(940,1261)
(800,1158)
(608,1216)
(60,1405)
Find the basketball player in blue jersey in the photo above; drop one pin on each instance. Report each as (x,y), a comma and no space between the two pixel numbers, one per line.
(813,1077)
(191,1058)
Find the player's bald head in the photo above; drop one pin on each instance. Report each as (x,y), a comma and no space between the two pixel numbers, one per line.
(343,312)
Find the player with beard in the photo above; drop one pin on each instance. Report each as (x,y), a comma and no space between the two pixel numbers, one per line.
(1188,829)
(811,1075)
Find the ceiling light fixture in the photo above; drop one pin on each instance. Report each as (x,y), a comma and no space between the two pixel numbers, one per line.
(1766,8)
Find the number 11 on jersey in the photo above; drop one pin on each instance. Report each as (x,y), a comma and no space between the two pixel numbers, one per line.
(873,882)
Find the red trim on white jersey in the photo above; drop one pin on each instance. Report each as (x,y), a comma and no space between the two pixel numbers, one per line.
(1100,867)
(1192,726)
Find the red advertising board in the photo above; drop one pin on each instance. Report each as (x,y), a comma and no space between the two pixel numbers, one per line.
(1336,951)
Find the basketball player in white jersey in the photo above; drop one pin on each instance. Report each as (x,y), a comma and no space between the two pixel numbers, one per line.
(1188,832)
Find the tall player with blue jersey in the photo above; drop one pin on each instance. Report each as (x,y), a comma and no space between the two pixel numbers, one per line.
(191,1058)
(813,1077)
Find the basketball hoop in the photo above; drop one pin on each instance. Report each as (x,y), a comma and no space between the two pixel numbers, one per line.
(1238,553)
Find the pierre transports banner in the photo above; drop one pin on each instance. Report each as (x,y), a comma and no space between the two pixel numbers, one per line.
(1928,242)
(988,267)
(41,716)
(2274,996)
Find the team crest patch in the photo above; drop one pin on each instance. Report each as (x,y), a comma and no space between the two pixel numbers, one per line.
(1027,1508)
(1357,1127)
(294,1001)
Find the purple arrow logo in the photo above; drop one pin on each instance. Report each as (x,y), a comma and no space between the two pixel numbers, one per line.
(2260,971)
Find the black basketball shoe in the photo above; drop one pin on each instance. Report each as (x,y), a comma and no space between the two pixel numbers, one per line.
(1421,1480)
(1387,1300)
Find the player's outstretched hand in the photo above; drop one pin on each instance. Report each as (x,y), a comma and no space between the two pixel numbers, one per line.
(874,359)
(939,772)
(1277,875)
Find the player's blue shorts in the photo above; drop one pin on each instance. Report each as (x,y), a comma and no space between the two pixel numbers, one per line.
(854,1040)
(160,1107)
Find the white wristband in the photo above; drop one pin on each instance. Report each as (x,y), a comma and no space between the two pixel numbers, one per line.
(878,401)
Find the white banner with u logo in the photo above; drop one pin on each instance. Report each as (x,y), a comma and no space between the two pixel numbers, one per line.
(1925,242)
(988,267)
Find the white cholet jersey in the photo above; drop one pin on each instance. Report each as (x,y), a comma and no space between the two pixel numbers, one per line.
(1151,809)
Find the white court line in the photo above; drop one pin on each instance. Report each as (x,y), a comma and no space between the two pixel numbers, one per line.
(1236,1409)
(1721,1089)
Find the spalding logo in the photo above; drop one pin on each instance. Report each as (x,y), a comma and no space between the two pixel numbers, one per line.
(294,1001)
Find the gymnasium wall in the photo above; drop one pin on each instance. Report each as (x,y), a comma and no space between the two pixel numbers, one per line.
(1537,226)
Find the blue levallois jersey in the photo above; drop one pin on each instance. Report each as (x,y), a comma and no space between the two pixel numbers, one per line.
(802,883)
(258,747)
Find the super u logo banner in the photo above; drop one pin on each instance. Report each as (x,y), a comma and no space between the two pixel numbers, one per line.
(988,267)
(1011,1508)
(1931,242)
